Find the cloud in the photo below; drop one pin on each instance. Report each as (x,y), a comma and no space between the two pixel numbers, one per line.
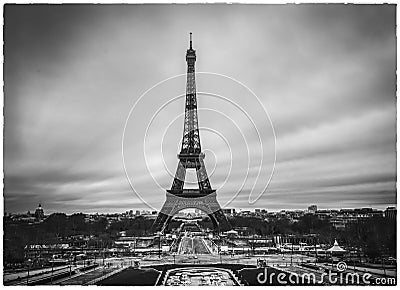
(326,74)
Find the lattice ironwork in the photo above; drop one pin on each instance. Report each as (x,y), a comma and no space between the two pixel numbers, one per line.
(203,198)
(191,136)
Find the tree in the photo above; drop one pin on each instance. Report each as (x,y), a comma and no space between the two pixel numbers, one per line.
(56,223)
(76,223)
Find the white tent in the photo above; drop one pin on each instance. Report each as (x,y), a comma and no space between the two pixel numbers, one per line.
(336,248)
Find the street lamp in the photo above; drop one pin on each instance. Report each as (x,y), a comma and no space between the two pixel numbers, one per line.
(159,244)
(70,261)
(219,249)
(383,265)
(316,252)
(27,277)
(134,247)
(253,246)
(291,256)
(52,268)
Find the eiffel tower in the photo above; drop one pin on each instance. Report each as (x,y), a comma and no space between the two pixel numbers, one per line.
(191,157)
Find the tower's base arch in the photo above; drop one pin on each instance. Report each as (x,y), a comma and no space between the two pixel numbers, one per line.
(207,204)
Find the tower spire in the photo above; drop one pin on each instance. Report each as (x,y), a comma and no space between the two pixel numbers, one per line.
(190,40)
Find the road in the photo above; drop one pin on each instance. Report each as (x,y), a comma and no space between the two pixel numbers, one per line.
(195,245)
(41,275)
(84,278)
(23,274)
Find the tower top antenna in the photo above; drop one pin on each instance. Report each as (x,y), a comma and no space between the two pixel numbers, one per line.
(190,40)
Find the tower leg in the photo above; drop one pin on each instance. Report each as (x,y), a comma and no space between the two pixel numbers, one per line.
(165,214)
(202,177)
(160,222)
(180,174)
(223,223)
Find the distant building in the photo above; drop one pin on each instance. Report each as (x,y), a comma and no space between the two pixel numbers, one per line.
(391,213)
(339,223)
(323,214)
(39,212)
(229,211)
(312,208)
(346,217)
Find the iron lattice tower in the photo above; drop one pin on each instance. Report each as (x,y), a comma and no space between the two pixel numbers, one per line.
(191,157)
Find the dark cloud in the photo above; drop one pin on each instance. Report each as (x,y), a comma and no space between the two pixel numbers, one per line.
(326,74)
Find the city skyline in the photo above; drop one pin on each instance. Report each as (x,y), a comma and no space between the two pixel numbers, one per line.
(325,73)
(237,210)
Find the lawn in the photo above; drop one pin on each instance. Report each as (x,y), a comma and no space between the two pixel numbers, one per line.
(132,277)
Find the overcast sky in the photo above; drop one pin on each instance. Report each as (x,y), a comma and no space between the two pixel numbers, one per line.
(325,73)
